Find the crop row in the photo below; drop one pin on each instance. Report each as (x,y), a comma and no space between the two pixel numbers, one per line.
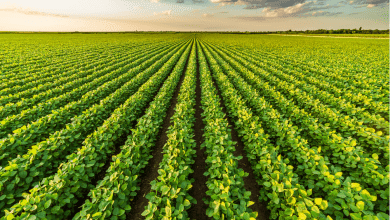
(336,93)
(345,79)
(44,157)
(169,197)
(72,89)
(76,141)
(358,61)
(19,73)
(78,61)
(26,79)
(279,183)
(227,197)
(55,117)
(50,61)
(333,144)
(377,109)
(296,149)
(64,188)
(60,76)
(120,184)
(368,138)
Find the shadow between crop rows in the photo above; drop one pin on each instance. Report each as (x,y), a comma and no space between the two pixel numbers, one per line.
(151,170)
(250,182)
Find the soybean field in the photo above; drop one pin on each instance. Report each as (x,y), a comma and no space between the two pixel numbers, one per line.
(193,126)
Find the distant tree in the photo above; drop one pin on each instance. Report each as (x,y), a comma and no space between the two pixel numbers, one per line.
(318,31)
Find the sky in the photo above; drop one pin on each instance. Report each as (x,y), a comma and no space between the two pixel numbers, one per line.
(191,15)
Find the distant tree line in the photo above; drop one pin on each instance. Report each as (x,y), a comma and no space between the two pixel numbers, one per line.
(319,31)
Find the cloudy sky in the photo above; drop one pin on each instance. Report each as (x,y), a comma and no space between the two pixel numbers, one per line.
(191,15)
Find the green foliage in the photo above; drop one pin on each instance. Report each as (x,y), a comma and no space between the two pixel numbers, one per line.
(287,198)
(312,114)
(227,197)
(291,145)
(40,159)
(169,196)
(122,177)
(90,158)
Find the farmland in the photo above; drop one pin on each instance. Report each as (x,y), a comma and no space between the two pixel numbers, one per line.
(193,126)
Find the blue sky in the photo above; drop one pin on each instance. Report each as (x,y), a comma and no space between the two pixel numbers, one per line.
(186,15)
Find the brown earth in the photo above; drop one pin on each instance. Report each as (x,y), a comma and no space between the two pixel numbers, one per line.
(199,188)
(150,171)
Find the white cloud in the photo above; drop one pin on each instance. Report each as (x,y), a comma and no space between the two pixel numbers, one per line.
(254,4)
(317,12)
(155,1)
(167,12)
(281,12)
(206,15)
(371,5)
(240,2)
(221,1)
(350,2)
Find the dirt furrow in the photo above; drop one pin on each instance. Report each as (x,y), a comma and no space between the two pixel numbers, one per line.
(250,182)
(150,171)
(199,187)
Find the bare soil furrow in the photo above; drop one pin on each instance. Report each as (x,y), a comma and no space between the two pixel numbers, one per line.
(250,181)
(199,188)
(150,171)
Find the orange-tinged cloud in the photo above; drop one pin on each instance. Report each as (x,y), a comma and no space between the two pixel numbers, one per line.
(167,12)
(30,12)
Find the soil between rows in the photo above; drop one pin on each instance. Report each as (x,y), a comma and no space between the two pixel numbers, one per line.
(150,171)
(199,187)
(116,150)
(250,182)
